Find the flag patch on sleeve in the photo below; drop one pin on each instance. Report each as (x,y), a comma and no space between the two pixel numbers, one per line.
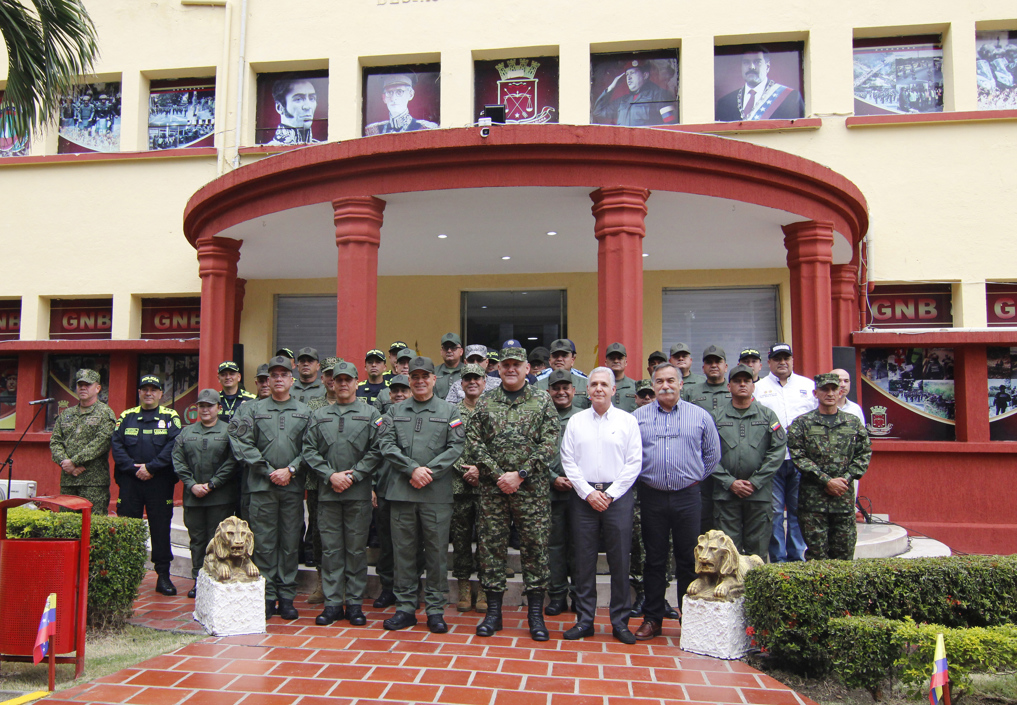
(380,421)
(455,423)
(775,426)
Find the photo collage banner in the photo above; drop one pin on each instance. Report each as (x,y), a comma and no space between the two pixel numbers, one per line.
(908,393)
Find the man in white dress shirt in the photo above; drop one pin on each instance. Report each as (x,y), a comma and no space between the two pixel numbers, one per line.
(601,454)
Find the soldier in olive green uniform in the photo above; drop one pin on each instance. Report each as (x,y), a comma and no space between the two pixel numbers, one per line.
(832,450)
(450,370)
(80,444)
(513,441)
(559,543)
(204,462)
(465,496)
(268,435)
(625,387)
(422,439)
(313,551)
(341,446)
(307,384)
(563,357)
(384,399)
(681,357)
(752,444)
(711,393)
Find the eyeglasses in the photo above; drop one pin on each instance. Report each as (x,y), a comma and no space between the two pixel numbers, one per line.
(398,92)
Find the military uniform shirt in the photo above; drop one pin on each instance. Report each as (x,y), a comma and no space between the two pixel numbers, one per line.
(823,447)
(268,435)
(203,455)
(707,396)
(369,391)
(146,437)
(459,485)
(343,437)
(83,435)
(446,376)
(305,391)
(556,469)
(752,444)
(581,401)
(421,434)
(624,394)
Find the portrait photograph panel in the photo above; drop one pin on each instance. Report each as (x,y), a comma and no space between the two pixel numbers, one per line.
(528,88)
(898,76)
(11,145)
(634,89)
(90,119)
(401,98)
(292,108)
(996,70)
(181,114)
(758,82)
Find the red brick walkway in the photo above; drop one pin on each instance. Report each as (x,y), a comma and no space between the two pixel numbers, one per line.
(300,663)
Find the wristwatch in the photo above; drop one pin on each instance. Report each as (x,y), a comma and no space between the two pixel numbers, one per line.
(210,485)
(524,473)
(293,470)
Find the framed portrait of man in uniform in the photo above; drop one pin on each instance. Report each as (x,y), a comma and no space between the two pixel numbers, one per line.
(292,108)
(401,98)
(528,88)
(90,119)
(634,89)
(758,82)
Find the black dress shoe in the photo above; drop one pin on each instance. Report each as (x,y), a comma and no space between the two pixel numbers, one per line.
(436,623)
(287,610)
(329,615)
(355,614)
(580,631)
(556,605)
(192,593)
(385,599)
(309,562)
(164,585)
(270,610)
(637,605)
(400,620)
(670,612)
(623,635)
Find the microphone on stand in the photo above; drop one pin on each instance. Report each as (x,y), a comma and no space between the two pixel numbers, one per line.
(41,401)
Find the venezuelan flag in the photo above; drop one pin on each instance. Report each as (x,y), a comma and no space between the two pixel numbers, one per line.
(47,628)
(939,689)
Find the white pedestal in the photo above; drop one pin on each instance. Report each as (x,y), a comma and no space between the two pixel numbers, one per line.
(228,609)
(714,628)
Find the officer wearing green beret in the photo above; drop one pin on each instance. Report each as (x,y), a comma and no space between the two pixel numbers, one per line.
(625,387)
(752,444)
(452,366)
(80,444)
(268,435)
(341,446)
(422,439)
(204,462)
(831,449)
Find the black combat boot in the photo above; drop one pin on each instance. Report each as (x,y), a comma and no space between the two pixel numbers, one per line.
(535,616)
(492,620)
(164,585)
(637,605)
(557,604)
(287,610)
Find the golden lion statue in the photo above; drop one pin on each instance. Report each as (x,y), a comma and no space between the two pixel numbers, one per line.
(720,568)
(228,556)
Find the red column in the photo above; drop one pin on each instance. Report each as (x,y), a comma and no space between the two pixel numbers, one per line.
(217,267)
(971,393)
(620,226)
(844,302)
(358,223)
(238,307)
(809,257)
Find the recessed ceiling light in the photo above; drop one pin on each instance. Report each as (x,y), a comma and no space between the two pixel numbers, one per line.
(533,338)
(506,257)
(646,254)
(552,233)
(442,236)
(524,293)
(483,307)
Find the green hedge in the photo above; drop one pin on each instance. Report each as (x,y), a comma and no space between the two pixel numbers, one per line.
(866,651)
(789,605)
(116,557)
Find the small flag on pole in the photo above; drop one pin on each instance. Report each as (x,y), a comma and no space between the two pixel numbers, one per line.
(939,689)
(47,628)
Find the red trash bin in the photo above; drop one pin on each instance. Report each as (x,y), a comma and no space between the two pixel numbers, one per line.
(30,569)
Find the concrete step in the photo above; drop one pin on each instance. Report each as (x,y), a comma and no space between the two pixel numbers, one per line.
(881,541)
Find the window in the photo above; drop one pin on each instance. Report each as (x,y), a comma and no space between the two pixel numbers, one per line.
(733,319)
(306,321)
(534,318)
(402,99)
(898,75)
(292,108)
(181,113)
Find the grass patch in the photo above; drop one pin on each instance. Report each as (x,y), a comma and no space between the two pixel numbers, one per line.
(104,654)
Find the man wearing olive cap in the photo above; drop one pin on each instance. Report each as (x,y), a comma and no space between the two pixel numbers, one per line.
(681,357)
(307,384)
(475,355)
(401,368)
(312,536)
(831,449)
(261,381)
(452,366)
(625,387)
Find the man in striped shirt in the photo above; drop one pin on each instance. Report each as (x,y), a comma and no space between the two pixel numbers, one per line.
(680,449)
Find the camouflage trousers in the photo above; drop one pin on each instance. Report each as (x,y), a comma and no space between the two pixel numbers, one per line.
(639,553)
(828,535)
(98,495)
(532,515)
(464,519)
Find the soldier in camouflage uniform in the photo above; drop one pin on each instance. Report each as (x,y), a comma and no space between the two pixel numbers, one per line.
(710,393)
(513,440)
(831,448)
(317,596)
(80,444)
(465,498)
(560,560)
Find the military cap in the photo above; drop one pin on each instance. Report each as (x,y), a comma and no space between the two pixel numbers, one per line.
(779,349)
(644,385)
(262,371)
(286,352)
(307,352)
(208,396)
(397,345)
(616,348)
(399,380)
(229,366)
(375,353)
(562,345)
(513,354)
(827,378)
(406,354)
(150,381)
(680,348)
(540,353)
(421,363)
(740,370)
(472,350)
(474,370)
(451,339)
(493,355)
(342,367)
(715,351)
(511,343)
(749,352)
(86,375)
(559,376)
(280,361)
(397,79)
(329,363)
(657,355)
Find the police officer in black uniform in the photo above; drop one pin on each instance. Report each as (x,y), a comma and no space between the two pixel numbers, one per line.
(143,452)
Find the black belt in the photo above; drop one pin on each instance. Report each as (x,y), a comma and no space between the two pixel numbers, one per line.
(601,486)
